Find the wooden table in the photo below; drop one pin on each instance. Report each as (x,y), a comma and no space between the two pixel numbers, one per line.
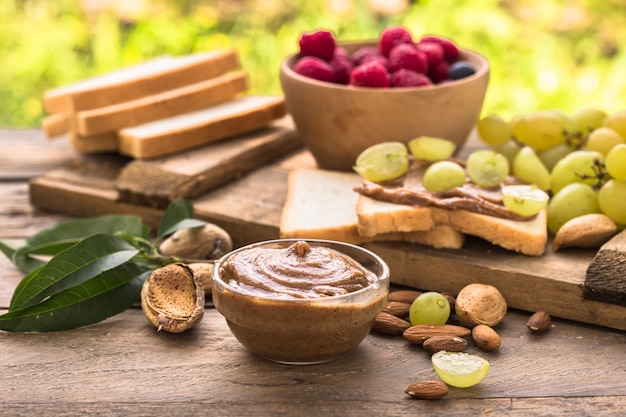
(122,366)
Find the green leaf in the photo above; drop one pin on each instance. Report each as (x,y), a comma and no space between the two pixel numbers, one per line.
(86,259)
(90,302)
(57,238)
(7,249)
(178,215)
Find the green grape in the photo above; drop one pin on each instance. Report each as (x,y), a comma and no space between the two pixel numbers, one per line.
(540,130)
(429,308)
(442,176)
(588,119)
(617,122)
(487,168)
(553,154)
(571,201)
(616,162)
(528,167)
(577,166)
(459,369)
(525,200)
(431,149)
(612,200)
(568,124)
(383,162)
(509,150)
(603,139)
(494,130)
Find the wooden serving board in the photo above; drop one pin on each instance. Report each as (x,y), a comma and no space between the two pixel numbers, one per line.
(250,210)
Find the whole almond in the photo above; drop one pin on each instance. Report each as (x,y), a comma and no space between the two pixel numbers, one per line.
(386,323)
(403,296)
(539,322)
(419,333)
(396,308)
(447,343)
(427,390)
(486,337)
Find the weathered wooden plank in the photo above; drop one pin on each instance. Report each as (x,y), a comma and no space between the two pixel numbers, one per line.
(208,364)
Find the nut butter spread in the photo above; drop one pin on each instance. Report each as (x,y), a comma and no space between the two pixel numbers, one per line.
(470,197)
(298,271)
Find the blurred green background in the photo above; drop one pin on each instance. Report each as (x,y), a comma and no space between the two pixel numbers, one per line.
(545,54)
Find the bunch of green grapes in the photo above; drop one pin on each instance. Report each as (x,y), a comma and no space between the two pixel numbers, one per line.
(579,159)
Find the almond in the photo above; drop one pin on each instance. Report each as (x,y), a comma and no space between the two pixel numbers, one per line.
(539,322)
(396,308)
(386,323)
(486,337)
(427,390)
(419,333)
(403,296)
(447,343)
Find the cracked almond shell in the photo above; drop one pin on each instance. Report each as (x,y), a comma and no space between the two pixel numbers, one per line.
(172,298)
(207,242)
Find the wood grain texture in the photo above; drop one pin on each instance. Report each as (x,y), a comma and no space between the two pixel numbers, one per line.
(122,366)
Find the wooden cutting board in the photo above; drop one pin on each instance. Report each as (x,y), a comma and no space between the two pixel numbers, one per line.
(250,209)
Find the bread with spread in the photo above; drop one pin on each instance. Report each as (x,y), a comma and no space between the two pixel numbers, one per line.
(464,210)
(322,204)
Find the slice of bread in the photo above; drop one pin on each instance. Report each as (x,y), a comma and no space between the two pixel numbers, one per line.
(148,78)
(158,106)
(178,133)
(321,204)
(527,237)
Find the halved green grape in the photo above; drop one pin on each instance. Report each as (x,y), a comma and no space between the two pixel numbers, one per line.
(428,148)
(554,154)
(617,122)
(612,200)
(494,130)
(429,308)
(540,130)
(578,166)
(525,200)
(528,167)
(383,162)
(460,369)
(603,139)
(571,201)
(588,119)
(487,168)
(616,162)
(442,176)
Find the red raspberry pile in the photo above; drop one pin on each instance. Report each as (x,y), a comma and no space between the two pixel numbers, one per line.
(397,60)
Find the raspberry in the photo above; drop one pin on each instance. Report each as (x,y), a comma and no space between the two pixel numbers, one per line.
(433,51)
(342,67)
(450,50)
(408,57)
(393,36)
(320,44)
(440,72)
(315,68)
(407,78)
(371,74)
(360,55)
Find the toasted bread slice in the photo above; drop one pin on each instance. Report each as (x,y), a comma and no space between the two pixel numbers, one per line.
(148,78)
(178,133)
(158,106)
(321,204)
(528,237)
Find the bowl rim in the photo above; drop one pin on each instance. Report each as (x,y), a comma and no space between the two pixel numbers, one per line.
(382,279)
(286,68)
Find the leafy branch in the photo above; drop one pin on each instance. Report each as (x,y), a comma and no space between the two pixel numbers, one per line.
(82,271)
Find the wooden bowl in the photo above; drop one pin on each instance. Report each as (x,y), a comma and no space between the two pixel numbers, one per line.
(337,122)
